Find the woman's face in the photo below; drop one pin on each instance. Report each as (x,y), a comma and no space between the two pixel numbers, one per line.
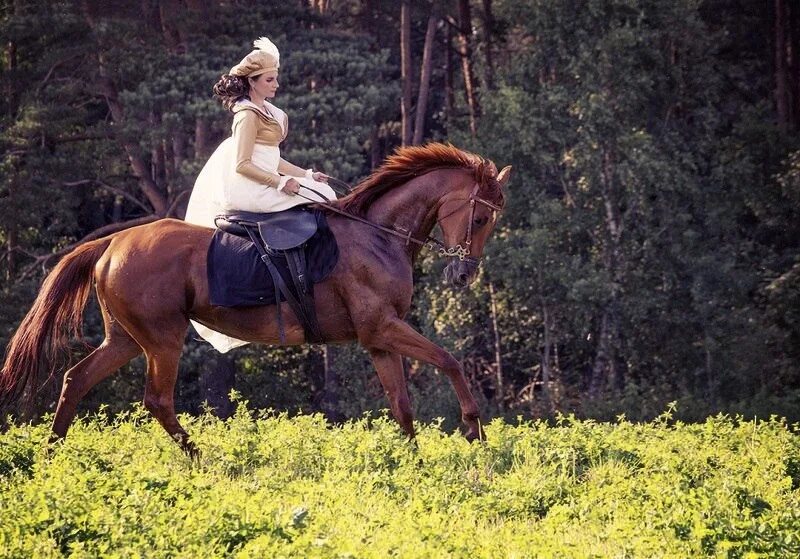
(265,85)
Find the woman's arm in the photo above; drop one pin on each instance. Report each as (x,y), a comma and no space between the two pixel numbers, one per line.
(244,137)
(292,170)
(286,168)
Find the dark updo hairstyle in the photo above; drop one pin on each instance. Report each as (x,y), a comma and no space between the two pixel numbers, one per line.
(230,89)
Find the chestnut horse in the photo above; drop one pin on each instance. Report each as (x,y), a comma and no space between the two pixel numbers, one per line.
(151,280)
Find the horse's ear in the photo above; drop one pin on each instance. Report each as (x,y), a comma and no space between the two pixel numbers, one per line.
(503,176)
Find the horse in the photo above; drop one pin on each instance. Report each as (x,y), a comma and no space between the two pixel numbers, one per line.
(151,280)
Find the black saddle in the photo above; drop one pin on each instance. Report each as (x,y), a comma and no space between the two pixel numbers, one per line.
(280,230)
(281,239)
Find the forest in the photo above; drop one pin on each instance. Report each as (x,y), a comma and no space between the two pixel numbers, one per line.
(649,252)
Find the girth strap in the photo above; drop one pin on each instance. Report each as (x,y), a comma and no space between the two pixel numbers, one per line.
(304,308)
(296,260)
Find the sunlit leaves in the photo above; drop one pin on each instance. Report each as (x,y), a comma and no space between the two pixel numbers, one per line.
(274,486)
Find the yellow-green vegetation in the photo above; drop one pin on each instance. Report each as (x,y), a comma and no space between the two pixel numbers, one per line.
(275,486)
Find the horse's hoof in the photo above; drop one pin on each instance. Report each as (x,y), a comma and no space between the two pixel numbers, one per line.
(192,452)
(54,442)
(475,435)
(187,446)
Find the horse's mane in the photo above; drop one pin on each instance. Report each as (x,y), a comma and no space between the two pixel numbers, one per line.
(409,162)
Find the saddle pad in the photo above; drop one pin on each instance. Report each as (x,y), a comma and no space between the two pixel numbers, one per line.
(238,278)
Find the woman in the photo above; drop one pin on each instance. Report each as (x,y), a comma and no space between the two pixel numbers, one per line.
(246,172)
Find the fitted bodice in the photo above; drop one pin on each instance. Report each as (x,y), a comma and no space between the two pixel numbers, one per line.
(266,128)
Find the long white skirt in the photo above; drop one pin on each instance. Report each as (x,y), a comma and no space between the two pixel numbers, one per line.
(219,189)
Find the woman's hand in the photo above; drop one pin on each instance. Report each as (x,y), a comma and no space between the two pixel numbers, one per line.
(291,187)
(320,177)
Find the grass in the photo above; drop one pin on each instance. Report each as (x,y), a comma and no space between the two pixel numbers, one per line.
(274,486)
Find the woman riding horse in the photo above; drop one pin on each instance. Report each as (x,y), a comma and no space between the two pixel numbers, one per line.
(152,280)
(246,172)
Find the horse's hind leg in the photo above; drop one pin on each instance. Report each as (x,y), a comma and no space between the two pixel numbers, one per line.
(116,350)
(390,372)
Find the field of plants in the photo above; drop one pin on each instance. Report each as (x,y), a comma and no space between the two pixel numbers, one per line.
(275,486)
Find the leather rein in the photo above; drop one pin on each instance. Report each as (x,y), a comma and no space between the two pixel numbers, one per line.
(431,242)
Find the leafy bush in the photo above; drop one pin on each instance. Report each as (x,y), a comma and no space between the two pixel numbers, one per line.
(275,486)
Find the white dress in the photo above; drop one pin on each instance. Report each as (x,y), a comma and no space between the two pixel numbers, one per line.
(219,189)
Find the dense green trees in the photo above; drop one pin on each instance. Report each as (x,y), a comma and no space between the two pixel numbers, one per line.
(650,204)
(651,248)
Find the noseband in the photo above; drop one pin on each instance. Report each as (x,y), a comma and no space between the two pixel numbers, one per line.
(458,251)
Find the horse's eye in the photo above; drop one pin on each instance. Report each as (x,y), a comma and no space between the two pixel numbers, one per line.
(480,221)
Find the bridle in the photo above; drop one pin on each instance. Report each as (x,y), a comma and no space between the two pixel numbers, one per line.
(430,242)
(458,251)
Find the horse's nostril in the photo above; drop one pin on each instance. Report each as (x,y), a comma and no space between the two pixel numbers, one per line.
(463,278)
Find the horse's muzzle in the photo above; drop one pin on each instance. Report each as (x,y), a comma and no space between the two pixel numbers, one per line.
(460,273)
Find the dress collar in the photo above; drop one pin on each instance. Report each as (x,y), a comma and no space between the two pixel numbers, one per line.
(268,111)
(248,104)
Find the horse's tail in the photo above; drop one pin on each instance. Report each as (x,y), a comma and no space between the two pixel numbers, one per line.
(56,315)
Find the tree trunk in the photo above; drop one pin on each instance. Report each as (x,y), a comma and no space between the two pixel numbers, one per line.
(11,227)
(150,15)
(178,150)
(781,68)
(547,358)
(603,369)
(488,29)
(11,232)
(169,165)
(178,154)
(169,14)
(140,168)
(217,379)
(425,80)
(201,148)
(329,401)
(200,6)
(405,70)
(793,63)
(11,66)
(108,89)
(465,52)
(449,96)
(320,6)
(498,354)
(607,372)
(157,171)
(375,147)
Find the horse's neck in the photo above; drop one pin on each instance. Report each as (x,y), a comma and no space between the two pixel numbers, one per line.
(412,207)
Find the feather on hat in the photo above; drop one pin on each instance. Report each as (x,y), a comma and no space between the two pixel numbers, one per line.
(263,43)
(265,58)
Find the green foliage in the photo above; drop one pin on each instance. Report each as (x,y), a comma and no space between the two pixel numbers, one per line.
(649,250)
(337,93)
(279,487)
(644,206)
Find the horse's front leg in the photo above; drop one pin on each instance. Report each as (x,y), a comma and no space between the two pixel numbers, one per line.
(390,372)
(395,336)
